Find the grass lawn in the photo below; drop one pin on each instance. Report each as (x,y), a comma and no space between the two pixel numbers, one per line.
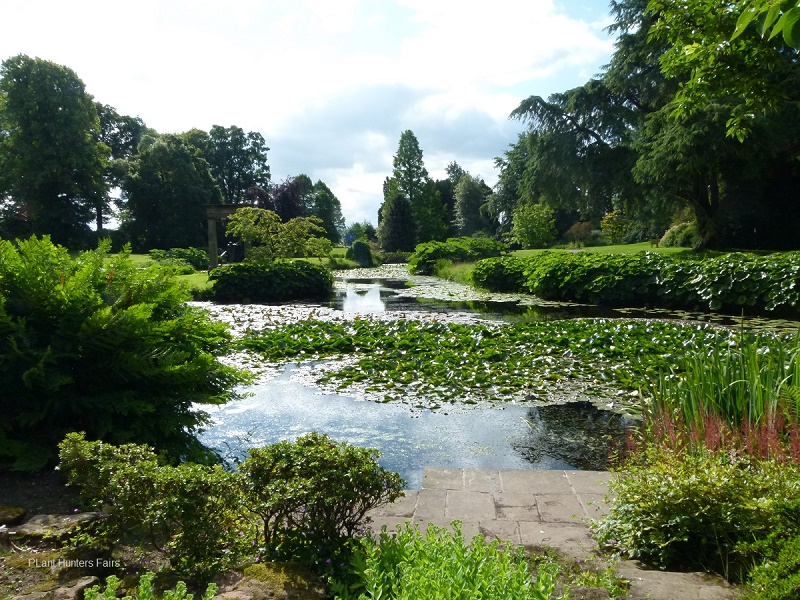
(615,249)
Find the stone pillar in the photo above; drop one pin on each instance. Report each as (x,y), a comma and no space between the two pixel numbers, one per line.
(213,251)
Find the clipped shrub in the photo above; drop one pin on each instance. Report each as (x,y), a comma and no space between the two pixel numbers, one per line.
(274,281)
(360,252)
(500,274)
(300,501)
(197,258)
(94,343)
(682,234)
(313,494)
(189,512)
(463,249)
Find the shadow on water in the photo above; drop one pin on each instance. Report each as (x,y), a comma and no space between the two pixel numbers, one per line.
(507,437)
(577,434)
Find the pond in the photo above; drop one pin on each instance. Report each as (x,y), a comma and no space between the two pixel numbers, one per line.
(286,402)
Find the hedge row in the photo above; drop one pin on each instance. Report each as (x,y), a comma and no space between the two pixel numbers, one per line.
(731,282)
(275,281)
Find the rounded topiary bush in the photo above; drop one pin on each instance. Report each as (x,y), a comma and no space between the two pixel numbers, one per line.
(275,281)
(360,252)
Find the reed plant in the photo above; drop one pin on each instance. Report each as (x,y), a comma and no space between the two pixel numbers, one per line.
(753,383)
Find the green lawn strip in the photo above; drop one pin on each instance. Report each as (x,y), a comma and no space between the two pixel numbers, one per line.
(449,362)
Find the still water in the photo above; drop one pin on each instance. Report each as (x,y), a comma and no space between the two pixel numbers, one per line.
(576,435)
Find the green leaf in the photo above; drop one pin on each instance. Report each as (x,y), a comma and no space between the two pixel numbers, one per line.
(791,27)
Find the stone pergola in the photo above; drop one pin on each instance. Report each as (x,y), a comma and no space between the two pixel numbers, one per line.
(213,213)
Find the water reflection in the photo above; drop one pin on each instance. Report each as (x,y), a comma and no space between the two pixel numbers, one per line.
(576,433)
(487,438)
(363,301)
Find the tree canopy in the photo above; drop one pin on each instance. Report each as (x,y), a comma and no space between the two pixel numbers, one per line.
(52,162)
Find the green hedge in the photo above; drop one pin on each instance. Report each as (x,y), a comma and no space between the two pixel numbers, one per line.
(276,281)
(731,282)
(463,249)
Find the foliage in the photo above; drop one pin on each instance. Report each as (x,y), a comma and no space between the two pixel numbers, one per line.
(300,500)
(237,161)
(500,274)
(189,512)
(165,193)
(579,233)
(52,165)
(94,343)
(778,577)
(438,565)
(275,281)
(395,258)
(613,225)
(397,227)
(324,205)
(462,249)
(197,258)
(534,225)
(275,238)
(698,509)
(290,199)
(729,282)
(313,494)
(360,252)
(144,590)
(682,234)
(429,364)
(754,380)
(470,195)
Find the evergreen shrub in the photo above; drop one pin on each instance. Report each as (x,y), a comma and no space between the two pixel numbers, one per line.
(360,252)
(275,281)
(298,501)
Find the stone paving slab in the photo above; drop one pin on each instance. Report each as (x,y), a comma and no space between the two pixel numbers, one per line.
(535,508)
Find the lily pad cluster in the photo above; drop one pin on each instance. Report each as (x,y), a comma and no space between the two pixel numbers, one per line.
(430,364)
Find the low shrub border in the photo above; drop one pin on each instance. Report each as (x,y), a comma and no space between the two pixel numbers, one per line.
(732,282)
(275,281)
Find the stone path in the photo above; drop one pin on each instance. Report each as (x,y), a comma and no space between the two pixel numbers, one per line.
(536,508)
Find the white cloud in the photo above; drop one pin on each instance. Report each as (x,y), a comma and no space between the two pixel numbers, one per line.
(329,83)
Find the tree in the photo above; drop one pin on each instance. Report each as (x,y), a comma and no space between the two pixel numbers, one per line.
(165,196)
(471,194)
(396,229)
(238,162)
(266,237)
(325,206)
(534,225)
(410,178)
(122,135)
(52,164)
(291,198)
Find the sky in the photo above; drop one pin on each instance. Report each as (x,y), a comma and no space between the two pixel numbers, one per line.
(330,84)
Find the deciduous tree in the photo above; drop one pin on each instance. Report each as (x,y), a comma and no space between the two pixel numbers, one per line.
(52,164)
